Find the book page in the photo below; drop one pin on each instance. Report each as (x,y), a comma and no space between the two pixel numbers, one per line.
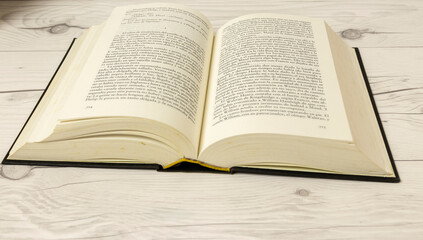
(151,62)
(273,74)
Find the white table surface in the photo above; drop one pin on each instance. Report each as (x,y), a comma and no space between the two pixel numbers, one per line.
(80,203)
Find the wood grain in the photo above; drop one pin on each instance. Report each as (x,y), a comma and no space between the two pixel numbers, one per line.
(78,203)
(74,203)
(50,25)
(392,79)
(27,70)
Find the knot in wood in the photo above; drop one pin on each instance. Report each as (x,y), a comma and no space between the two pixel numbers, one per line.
(14,172)
(59,28)
(302,192)
(351,34)
(12,98)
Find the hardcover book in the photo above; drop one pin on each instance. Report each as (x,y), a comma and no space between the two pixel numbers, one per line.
(155,87)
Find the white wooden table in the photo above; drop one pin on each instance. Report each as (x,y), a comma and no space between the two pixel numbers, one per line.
(78,203)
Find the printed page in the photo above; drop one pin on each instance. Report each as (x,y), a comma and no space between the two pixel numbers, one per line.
(273,74)
(152,62)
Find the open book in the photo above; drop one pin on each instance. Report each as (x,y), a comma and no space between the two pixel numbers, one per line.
(154,86)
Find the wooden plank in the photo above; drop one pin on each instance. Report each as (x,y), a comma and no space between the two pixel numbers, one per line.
(32,70)
(76,203)
(27,70)
(395,76)
(403,130)
(404,134)
(51,25)
(396,84)
(15,108)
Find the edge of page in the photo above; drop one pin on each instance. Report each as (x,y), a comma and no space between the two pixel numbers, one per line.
(395,179)
(6,159)
(376,112)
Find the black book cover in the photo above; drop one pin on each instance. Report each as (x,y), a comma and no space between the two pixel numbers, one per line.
(192,167)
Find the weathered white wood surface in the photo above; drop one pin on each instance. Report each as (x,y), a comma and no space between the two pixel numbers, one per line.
(75,203)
